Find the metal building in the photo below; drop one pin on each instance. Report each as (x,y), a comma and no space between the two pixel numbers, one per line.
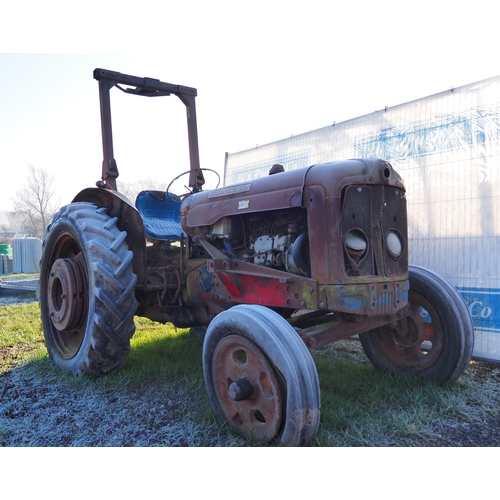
(447,148)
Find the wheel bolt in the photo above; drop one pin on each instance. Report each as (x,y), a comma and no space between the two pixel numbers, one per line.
(240,390)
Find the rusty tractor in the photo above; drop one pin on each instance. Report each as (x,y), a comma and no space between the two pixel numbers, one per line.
(270,268)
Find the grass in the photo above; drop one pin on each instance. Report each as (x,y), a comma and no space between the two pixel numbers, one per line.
(370,408)
(159,397)
(19,276)
(20,341)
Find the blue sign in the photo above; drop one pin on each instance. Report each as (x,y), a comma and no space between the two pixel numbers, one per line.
(484,307)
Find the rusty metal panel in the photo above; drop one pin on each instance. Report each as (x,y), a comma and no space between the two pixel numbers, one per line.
(271,193)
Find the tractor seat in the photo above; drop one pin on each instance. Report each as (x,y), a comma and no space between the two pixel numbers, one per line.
(161,215)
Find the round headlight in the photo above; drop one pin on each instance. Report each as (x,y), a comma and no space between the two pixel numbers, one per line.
(394,244)
(355,240)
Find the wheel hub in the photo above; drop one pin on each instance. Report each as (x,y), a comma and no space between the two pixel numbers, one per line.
(406,333)
(241,390)
(67,294)
(247,388)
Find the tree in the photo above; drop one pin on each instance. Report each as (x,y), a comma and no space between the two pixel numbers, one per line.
(35,203)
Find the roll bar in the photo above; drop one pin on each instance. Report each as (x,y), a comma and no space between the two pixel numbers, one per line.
(148,87)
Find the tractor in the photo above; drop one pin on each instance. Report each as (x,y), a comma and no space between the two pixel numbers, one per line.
(267,270)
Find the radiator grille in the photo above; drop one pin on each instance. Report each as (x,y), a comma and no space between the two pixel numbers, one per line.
(370,213)
(385,303)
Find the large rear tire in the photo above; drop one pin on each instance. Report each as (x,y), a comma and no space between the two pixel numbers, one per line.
(437,339)
(260,377)
(87,291)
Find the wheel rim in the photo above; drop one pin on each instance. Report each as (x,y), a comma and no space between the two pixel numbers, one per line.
(67,296)
(247,388)
(417,342)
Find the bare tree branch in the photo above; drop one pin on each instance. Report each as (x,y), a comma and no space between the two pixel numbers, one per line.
(35,201)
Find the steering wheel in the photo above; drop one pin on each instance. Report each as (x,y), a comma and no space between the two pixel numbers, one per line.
(178,198)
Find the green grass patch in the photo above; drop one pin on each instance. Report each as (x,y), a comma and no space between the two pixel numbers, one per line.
(157,399)
(12,277)
(164,350)
(21,336)
(364,407)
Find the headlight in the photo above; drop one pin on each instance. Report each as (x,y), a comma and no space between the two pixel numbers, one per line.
(355,240)
(394,244)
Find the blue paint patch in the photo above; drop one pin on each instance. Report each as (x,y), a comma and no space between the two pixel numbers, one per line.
(453,132)
(205,278)
(424,314)
(352,303)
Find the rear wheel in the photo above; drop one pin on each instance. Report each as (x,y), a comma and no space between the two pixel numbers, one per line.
(87,290)
(434,342)
(260,377)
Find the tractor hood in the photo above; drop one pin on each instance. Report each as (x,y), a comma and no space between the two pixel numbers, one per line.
(283,190)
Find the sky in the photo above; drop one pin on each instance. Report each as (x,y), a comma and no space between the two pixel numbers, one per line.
(264,70)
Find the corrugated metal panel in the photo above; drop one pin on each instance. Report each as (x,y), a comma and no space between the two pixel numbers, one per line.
(447,148)
(26,253)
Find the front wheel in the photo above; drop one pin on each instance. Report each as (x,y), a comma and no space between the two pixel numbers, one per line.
(260,377)
(437,339)
(87,290)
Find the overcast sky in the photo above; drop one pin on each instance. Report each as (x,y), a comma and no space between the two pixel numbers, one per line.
(264,70)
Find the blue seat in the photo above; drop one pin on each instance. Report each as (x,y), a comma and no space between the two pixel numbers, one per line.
(161,215)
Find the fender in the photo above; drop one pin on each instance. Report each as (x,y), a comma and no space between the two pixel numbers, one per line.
(129,220)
